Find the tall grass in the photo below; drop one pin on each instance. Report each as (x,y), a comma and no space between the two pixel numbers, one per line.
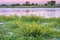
(29,28)
(8,18)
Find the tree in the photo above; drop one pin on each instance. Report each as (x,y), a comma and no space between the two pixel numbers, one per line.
(36,4)
(51,2)
(3,5)
(27,3)
(46,4)
(32,4)
(23,4)
(15,5)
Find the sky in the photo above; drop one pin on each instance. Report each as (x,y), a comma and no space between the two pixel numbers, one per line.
(23,1)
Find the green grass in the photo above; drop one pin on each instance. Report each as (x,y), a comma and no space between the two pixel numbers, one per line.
(29,28)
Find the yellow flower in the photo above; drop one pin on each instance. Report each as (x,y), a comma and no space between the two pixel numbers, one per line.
(31,31)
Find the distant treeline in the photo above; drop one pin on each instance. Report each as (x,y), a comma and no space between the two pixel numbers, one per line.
(26,4)
(32,4)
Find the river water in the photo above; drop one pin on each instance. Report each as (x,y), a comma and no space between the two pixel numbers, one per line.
(43,12)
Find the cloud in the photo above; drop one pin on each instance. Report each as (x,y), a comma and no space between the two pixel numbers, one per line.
(22,1)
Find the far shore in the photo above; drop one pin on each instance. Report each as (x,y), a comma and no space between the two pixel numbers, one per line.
(34,6)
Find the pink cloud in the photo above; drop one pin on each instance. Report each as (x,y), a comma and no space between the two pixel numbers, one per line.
(23,1)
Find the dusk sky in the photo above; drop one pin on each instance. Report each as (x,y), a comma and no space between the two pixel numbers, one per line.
(23,1)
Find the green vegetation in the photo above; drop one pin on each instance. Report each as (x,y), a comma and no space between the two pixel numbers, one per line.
(29,28)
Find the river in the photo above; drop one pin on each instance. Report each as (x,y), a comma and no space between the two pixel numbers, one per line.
(43,12)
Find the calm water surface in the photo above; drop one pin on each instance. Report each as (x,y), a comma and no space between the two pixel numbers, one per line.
(43,12)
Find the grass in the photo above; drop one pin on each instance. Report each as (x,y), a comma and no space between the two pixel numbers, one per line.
(29,28)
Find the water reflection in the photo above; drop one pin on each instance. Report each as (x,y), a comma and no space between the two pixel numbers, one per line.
(44,13)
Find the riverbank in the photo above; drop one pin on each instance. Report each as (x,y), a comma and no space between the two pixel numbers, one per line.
(29,28)
(35,6)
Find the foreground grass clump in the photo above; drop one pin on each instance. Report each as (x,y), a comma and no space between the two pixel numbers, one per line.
(29,28)
(8,18)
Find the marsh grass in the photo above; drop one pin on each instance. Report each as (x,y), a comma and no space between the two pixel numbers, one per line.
(29,28)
